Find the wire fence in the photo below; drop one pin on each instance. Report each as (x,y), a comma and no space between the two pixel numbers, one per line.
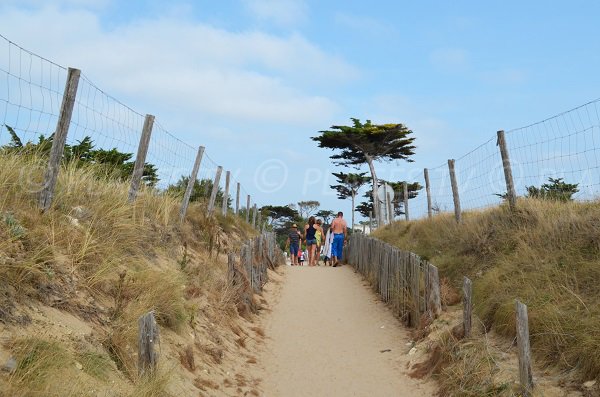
(31,93)
(565,146)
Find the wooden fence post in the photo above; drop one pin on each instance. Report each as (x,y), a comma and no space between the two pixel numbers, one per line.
(191,182)
(148,336)
(254,216)
(434,298)
(140,158)
(415,286)
(455,196)
(226,194)
(525,375)
(405,193)
(215,190)
(428,190)
(467,306)
(60,138)
(248,209)
(370,222)
(237,199)
(511,194)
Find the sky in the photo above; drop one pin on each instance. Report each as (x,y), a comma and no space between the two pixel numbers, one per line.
(253,80)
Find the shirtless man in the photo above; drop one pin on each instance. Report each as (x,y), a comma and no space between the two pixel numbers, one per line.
(339,228)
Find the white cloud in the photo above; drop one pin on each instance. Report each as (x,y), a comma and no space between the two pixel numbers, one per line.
(280,12)
(450,59)
(250,76)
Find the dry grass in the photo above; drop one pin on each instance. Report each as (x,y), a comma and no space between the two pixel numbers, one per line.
(124,258)
(546,254)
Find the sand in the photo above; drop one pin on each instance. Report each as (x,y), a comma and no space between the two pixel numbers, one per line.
(329,335)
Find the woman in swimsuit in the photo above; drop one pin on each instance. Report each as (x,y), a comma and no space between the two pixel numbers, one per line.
(310,231)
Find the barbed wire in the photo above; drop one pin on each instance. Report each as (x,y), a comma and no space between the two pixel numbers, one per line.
(31,92)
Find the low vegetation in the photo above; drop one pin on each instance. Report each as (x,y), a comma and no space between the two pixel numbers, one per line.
(104,261)
(545,253)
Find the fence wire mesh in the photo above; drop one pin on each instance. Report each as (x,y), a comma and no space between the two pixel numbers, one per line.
(565,146)
(31,93)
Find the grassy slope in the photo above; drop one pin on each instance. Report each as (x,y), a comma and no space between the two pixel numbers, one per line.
(547,254)
(103,261)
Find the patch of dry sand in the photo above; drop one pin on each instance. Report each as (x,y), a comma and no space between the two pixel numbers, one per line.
(329,335)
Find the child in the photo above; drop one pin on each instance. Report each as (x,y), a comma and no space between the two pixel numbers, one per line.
(301,257)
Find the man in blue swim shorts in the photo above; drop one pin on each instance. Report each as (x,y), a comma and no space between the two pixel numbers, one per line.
(339,228)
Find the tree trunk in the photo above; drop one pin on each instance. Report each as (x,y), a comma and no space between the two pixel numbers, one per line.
(376,208)
(353,196)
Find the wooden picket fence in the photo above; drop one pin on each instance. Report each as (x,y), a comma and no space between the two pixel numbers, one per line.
(411,286)
(256,256)
(404,280)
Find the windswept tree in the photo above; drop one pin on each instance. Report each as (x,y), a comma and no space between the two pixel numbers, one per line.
(307,208)
(360,144)
(326,215)
(348,187)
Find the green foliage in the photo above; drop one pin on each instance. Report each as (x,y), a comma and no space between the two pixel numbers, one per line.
(117,163)
(360,143)
(398,201)
(307,208)
(556,190)
(326,215)
(15,229)
(200,192)
(349,184)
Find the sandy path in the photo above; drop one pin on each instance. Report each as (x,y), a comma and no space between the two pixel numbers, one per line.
(325,337)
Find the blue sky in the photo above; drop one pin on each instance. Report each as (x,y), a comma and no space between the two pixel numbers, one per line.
(252,80)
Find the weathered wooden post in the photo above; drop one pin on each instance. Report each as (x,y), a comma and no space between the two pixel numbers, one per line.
(226,194)
(525,374)
(405,193)
(511,194)
(190,186)
(415,289)
(455,196)
(370,222)
(237,199)
(434,298)
(148,336)
(467,306)
(428,190)
(60,138)
(215,190)
(254,215)
(248,209)
(140,158)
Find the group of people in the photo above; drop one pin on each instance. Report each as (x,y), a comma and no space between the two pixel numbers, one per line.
(330,244)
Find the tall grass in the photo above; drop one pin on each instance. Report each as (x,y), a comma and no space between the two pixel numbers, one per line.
(546,254)
(128,256)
